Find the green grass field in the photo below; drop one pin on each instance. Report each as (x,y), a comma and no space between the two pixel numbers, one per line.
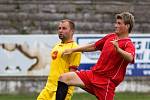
(83,96)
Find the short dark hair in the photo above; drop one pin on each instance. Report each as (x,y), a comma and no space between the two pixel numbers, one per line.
(71,23)
(128,19)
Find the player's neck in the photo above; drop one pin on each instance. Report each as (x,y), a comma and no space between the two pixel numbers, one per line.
(67,41)
(121,36)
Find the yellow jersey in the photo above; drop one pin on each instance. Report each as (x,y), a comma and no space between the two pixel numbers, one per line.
(60,64)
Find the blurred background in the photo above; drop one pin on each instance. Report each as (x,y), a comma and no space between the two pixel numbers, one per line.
(32,24)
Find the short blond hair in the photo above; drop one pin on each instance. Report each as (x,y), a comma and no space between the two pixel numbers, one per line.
(128,19)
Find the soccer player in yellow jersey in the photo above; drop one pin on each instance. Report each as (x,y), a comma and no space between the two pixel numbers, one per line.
(61,64)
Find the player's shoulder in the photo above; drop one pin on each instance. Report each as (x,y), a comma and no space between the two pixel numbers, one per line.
(58,43)
(75,44)
(111,34)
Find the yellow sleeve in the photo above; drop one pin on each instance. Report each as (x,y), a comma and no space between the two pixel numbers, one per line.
(75,59)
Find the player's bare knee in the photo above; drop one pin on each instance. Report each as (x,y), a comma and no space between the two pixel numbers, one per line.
(62,78)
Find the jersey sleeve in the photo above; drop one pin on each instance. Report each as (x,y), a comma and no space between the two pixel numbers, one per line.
(75,60)
(100,43)
(130,48)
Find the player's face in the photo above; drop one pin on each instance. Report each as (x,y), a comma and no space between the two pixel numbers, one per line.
(64,31)
(120,27)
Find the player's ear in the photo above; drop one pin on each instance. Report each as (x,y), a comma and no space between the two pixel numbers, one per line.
(128,26)
(72,31)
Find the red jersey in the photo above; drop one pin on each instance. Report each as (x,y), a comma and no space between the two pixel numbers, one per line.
(111,64)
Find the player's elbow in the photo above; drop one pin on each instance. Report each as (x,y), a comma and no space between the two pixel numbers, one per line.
(130,58)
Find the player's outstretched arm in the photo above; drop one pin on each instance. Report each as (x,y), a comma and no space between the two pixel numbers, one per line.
(84,48)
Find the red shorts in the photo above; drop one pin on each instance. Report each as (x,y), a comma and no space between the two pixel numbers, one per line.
(103,88)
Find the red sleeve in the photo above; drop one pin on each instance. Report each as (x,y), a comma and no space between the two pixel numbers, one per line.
(73,67)
(130,48)
(100,43)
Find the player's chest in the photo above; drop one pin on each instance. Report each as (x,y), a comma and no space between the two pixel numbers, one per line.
(57,51)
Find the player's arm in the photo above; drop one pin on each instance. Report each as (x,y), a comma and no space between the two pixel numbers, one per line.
(84,48)
(126,55)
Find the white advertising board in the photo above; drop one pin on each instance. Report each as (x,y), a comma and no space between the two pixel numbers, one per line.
(30,54)
(26,54)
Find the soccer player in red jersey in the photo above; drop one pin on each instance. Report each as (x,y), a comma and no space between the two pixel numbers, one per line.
(117,51)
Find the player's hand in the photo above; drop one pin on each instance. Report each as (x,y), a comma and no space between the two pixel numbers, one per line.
(115,43)
(67,52)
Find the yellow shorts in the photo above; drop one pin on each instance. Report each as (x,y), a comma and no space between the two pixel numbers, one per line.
(50,95)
